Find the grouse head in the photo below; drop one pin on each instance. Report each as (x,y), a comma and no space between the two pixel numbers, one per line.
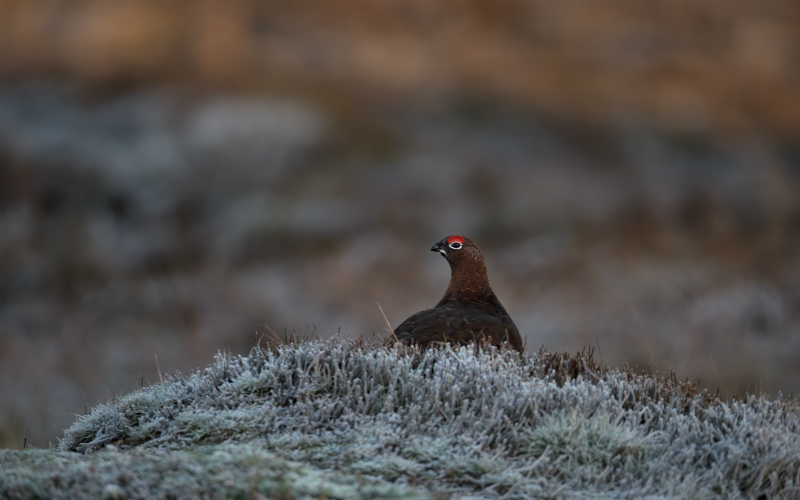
(468,278)
(457,249)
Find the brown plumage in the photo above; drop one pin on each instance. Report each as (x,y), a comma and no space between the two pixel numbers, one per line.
(469,310)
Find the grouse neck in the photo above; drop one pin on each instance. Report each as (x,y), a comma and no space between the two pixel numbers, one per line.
(469,282)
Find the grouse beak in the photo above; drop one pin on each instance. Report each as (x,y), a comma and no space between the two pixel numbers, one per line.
(437,247)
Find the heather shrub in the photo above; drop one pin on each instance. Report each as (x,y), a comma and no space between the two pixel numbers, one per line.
(400,422)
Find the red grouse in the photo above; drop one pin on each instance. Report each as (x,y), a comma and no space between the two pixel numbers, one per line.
(469,310)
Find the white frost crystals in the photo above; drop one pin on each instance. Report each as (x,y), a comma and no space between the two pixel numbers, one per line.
(464,422)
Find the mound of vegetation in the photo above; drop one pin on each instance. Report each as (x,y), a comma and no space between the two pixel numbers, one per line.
(347,419)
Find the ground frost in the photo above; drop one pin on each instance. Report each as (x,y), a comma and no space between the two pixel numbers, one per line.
(337,416)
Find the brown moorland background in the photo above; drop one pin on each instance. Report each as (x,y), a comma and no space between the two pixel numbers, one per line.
(176,176)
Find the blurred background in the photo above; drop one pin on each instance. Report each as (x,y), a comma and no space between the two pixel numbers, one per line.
(176,177)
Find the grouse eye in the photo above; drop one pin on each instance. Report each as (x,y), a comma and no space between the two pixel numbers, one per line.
(455,245)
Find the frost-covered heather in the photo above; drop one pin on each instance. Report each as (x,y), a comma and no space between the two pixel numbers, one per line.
(224,471)
(461,421)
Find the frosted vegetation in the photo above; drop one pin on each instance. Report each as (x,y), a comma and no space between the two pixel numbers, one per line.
(348,419)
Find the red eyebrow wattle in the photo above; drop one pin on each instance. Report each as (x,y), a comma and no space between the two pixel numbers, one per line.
(455,239)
